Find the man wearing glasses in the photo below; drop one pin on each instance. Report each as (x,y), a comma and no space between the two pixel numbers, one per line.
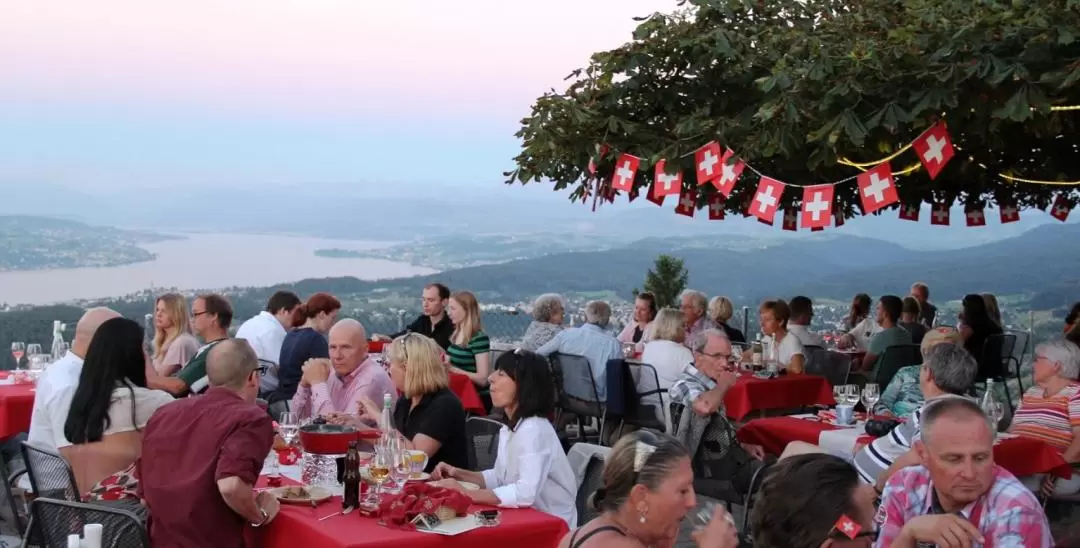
(211,316)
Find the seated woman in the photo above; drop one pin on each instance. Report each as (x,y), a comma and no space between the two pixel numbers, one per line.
(903,395)
(531,469)
(115,405)
(637,331)
(804,502)
(548,314)
(668,354)
(721,309)
(174,344)
(1050,410)
(428,414)
(781,346)
(647,491)
(469,352)
(977,329)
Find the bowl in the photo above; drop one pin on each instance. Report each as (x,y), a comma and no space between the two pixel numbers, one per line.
(332,439)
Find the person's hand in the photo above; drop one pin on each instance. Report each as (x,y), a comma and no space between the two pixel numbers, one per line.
(719,533)
(443,471)
(316,371)
(1047,488)
(708,403)
(945,531)
(449,484)
(756,451)
(367,406)
(846,340)
(269,504)
(727,378)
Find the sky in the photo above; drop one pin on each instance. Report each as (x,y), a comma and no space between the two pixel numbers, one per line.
(117,94)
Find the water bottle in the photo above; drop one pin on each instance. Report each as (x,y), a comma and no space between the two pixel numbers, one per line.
(757,357)
(58,347)
(386,421)
(991,405)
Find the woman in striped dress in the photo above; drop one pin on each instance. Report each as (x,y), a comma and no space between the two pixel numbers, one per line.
(469,352)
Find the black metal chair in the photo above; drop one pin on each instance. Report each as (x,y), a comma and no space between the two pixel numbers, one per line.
(644,413)
(50,475)
(892,360)
(483,436)
(11,478)
(997,354)
(834,366)
(53,520)
(1021,347)
(755,486)
(593,480)
(577,391)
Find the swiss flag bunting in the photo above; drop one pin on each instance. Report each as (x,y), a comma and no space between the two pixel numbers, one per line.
(1061,208)
(817,206)
(601,150)
(817,229)
(791,219)
(877,188)
(653,197)
(939,214)
(707,162)
(976,216)
(1009,213)
(625,171)
(730,170)
(633,194)
(838,219)
(687,203)
(766,199)
(716,207)
(910,212)
(666,184)
(934,148)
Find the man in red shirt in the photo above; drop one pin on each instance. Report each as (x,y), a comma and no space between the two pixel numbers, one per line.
(201,457)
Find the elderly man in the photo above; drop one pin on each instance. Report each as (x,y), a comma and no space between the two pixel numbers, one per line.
(56,386)
(590,340)
(957,496)
(354,376)
(201,458)
(927,312)
(693,305)
(434,322)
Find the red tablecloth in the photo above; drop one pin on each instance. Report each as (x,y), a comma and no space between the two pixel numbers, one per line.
(785,392)
(16,406)
(298,527)
(466,392)
(1021,456)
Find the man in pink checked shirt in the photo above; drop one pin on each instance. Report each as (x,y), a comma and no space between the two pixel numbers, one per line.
(355,375)
(958,496)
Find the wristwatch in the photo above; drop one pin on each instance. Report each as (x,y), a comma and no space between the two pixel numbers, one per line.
(265,518)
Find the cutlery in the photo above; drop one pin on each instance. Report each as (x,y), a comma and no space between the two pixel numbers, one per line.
(344,512)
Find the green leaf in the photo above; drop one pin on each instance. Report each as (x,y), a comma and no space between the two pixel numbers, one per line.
(854,128)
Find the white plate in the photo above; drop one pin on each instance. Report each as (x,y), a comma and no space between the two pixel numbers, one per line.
(315,494)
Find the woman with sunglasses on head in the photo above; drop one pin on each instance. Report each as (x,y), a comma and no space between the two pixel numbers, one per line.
(531,469)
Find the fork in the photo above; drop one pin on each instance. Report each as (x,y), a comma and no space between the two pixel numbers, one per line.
(344,512)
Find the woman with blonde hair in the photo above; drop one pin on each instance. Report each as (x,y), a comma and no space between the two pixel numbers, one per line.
(469,352)
(721,309)
(174,344)
(903,396)
(668,354)
(992,308)
(428,414)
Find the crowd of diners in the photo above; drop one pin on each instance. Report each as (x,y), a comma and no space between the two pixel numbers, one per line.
(174,431)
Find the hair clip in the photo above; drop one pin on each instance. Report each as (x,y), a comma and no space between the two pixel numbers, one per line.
(847,527)
(519,351)
(642,452)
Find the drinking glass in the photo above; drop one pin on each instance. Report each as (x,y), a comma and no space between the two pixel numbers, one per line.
(870,396)
(402,469)
(32,349)
(996,411)
(705,515)
(17,351)
(851,394)
(288,426)
(379,468)
(838,393)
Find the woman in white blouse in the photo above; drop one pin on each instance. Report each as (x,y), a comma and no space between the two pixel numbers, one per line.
(531,469)
(780,345)
(668,354)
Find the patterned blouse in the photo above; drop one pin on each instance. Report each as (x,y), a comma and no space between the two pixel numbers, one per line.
(903,395)
(538,334)
(1048,418)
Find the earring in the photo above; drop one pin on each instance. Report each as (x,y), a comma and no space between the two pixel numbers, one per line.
(643,518)
(642,513)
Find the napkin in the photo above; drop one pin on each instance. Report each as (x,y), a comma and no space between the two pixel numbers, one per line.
(420,498)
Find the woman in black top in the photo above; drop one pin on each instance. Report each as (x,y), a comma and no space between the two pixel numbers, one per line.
(976,327)
(311,322)
(428,414)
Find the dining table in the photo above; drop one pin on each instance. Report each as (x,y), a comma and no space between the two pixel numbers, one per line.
(16,405)
(790,391)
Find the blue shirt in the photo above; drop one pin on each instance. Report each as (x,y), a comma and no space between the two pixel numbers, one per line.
(589,340)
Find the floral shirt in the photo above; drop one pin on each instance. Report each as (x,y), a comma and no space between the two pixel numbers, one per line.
(1009,514)
(538,334)
(902,396)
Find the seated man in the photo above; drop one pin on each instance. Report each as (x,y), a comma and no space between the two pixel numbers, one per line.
(201,457)
(723,467)
(433,323)
(211,316)
(957,496)
(891,334)
(355,376)
(590,340)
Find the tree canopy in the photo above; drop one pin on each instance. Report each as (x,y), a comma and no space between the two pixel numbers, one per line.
(794,86)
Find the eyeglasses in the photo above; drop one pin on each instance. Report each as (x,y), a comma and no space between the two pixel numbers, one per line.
(718,356)
(197,314)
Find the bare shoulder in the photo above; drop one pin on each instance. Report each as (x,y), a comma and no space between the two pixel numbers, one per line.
(606,538)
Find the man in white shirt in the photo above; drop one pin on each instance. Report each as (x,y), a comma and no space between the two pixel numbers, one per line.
(56,386)
(802,312)
(266,332)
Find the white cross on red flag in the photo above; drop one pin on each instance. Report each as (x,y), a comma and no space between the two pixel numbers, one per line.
(666,183)
(687,203)
(934,148)
(817,206)
(707,162)
(939,214)
(1009,213)
(766,199)
(652,197)
(910,212)
(1061,208)
(791,219)
(877,188)
(731,169)
(716,207)
(625,171)
(976,216)
(847,527)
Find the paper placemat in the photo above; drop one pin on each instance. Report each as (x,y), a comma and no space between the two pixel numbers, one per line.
(841,440)
(455,526)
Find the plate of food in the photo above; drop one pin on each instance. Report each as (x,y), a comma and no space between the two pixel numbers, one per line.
(301,494)
(419,476)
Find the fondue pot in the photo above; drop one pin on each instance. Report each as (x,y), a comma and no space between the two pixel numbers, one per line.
(332,439)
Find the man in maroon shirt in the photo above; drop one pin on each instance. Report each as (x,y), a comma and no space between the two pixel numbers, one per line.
(201,457)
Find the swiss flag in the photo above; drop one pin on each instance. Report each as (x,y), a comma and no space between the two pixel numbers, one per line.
(666,183)
(1009,213)
(766,199)
(976,216)
(601,150)
(730,170)
(633,194)
(687,203)
(817,229)
(652,197)
(625,171)
(847,527)
(747,200)
(1061,209)
(877,188)
(791,219)
(934,148)
(910,212)
(716,207)
(939,214)
(838,219)
(707,161)
(817,206)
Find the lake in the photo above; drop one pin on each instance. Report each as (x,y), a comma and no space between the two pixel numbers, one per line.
(204,261)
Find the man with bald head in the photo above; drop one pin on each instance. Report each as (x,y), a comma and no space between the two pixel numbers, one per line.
(201,457)
(56,386)
(336,385)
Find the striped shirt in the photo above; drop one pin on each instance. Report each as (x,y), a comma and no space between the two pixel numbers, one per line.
(874,459)
(1049,418)
(464,357)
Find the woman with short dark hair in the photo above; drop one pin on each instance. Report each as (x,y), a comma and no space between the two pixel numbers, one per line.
(531,469)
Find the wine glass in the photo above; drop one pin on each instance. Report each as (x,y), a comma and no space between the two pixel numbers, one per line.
(838,393)
(996,411)
(380,466)
(851,394)
(18,349)
(870,396)
(288,426)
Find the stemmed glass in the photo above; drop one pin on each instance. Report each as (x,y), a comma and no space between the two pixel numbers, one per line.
(996,411)
(851,394)
(18,349)
(32,349)
(288,426)
(380,466)
(838,393)
(870,397)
